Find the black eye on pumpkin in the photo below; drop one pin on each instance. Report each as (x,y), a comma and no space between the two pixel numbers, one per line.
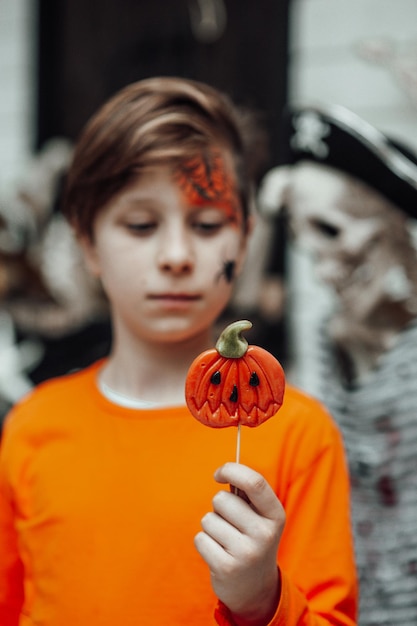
(216,378)
(254,379)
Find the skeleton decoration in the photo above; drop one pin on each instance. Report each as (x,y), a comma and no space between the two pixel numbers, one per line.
(353,207)
(43,283)
(47,298)
(360,241)
(363,251)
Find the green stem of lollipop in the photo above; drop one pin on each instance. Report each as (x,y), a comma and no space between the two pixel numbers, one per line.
(231,344)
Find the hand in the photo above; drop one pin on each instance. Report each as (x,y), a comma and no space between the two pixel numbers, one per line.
(239,543)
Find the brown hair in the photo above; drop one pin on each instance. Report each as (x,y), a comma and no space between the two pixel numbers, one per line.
(161,120)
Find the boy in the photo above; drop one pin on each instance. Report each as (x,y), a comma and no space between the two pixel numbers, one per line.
(104,474)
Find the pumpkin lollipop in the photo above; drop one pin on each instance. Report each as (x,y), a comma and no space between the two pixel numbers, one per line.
(234,383)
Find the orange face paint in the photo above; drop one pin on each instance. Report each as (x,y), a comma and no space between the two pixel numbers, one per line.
(206,180)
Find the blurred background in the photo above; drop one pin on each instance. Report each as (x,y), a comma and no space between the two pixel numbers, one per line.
(61,59)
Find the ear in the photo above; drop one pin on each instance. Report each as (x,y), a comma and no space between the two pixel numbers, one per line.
(90,255)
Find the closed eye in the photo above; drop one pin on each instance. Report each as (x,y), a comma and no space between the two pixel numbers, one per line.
(207,228)
(142,228)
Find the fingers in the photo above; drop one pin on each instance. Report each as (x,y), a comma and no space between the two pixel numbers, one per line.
(239,543)
(235,526)
(237,512)
(219,541)
(213,553)
(236,540)
(256,488)
(224,531)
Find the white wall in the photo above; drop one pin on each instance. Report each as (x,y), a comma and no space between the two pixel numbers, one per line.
(329,39)
(361,54)
(17,83)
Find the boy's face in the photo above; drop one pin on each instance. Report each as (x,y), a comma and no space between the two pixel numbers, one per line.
(167,249)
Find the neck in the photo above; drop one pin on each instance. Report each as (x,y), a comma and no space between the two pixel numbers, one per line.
(153,372)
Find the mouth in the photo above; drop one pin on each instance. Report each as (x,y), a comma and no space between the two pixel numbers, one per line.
(174,301)
(359,279)
(174,297)
(344,278)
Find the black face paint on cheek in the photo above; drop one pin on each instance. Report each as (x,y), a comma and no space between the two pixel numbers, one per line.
(228,271)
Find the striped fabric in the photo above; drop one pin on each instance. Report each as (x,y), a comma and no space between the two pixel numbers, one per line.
(378,419)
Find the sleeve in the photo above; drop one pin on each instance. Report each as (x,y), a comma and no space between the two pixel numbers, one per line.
(316,556)
(11,569)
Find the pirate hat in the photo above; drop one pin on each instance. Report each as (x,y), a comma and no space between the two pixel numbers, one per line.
(336,137)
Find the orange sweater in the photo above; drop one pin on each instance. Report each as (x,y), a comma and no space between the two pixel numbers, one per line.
(99,505)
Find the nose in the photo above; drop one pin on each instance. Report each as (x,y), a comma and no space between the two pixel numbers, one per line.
(176,253)
(358,239)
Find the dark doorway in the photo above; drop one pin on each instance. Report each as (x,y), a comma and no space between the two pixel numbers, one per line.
(88,50)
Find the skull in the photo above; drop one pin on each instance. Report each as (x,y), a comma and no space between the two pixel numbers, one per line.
(359,240)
